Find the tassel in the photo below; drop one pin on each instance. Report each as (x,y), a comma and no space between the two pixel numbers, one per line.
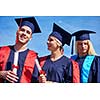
(72,49)
(17,31)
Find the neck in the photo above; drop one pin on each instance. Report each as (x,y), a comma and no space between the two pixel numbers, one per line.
(56,55)
(20,47)
(83,54)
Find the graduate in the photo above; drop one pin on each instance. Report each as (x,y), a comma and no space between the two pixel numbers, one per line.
(56,66)
(17,61)
(89,62)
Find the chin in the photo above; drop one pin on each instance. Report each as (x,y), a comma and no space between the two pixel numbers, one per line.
(23,42)
(49,49)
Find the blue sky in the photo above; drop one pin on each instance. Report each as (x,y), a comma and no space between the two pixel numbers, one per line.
(8,28)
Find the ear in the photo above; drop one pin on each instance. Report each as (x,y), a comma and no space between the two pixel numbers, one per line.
(58,44)
(17,31)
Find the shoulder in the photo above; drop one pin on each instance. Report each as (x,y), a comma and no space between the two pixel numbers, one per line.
(5,48)
(66,59)
(97,58)
(44,58)
(74,57)
(32,52)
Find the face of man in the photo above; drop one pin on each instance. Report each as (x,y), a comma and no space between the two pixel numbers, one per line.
(24,34)
(82,47)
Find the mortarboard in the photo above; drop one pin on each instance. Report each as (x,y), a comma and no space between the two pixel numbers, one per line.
(83,34)
(63,36)
(30,22)
(80,36)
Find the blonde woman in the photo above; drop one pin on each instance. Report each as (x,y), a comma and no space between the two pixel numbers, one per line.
(86,57)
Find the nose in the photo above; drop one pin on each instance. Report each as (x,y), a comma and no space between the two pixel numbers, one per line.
(24,32)
(83,45)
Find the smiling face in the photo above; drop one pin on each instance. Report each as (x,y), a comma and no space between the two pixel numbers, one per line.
(82,47)
(24,34)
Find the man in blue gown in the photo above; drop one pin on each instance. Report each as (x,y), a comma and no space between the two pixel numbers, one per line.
(17,61)
(57,67)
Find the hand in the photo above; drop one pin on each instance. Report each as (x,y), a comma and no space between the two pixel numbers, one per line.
(9,76)
(42,78)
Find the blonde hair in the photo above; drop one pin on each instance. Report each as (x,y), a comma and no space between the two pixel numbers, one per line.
(91,50)
(60,45)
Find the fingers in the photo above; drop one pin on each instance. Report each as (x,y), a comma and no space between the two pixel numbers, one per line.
(42,78)
(10,80)
(11,77)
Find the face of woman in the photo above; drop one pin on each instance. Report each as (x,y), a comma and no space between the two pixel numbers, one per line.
(52,43)
(24,34)
(82,47)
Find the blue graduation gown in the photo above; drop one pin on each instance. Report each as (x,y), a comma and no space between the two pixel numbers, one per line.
(94,72)
(21,60)
(57,71)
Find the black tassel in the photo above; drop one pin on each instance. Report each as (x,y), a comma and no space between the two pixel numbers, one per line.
(72,49)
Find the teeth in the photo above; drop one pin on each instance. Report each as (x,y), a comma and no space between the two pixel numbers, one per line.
(23,37)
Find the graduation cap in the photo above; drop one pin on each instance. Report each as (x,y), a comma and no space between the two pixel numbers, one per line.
(30,22)
(83,34)
(63,36)
(80,36)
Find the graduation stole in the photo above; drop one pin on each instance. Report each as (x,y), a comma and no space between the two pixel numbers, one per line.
(85,68)
(28,67)
(42,60)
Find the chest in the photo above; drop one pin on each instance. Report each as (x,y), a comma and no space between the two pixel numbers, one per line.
(55,66)
(19,61)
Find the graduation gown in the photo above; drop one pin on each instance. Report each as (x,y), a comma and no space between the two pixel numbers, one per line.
(25,67)
(57,71)
(94,71)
